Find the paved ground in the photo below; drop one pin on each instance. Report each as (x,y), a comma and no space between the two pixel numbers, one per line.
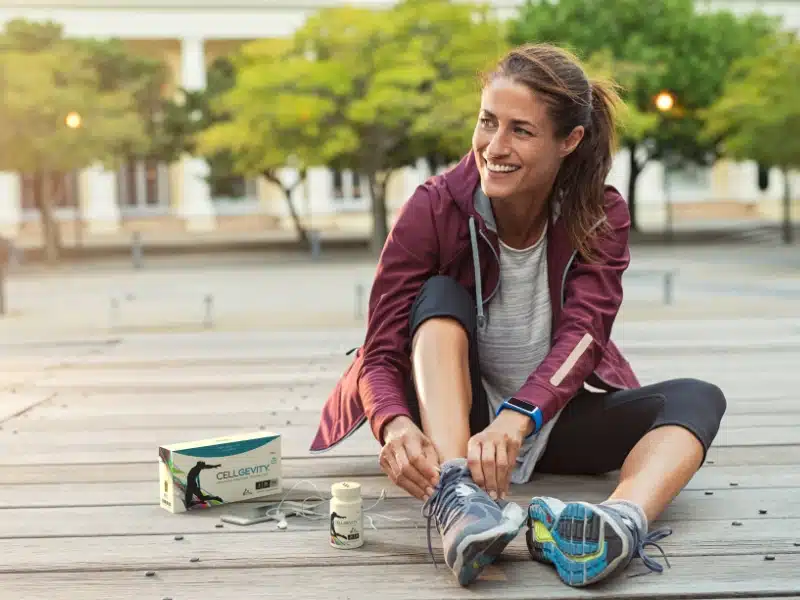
(256,291)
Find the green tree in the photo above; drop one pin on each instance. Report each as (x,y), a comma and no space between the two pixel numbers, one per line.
(462,42)
(45,78)
(758,116)
(252,140)
(188,115)
(364,90)
(145,79)
(664,45)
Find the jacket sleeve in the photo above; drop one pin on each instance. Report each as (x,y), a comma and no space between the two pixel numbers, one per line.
(593,294)
(409,258)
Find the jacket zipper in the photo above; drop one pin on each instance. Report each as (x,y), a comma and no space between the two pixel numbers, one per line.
(497,258)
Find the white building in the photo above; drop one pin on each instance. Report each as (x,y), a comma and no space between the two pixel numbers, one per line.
(189,35)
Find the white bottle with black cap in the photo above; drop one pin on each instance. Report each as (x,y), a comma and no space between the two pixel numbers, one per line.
(347,517)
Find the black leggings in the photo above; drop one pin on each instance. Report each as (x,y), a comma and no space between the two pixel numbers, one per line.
(596,430)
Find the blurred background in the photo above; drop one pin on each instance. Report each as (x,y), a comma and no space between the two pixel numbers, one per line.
(188,136)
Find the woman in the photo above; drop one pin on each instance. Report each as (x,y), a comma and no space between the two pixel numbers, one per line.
(491,311)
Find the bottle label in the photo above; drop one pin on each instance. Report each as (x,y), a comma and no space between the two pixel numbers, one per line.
(346,530)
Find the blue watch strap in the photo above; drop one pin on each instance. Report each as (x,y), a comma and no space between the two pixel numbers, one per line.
(535,414)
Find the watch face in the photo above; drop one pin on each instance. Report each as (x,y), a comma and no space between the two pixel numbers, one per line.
(521,404)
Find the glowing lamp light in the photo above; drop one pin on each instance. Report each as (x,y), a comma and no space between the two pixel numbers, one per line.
(73,120)
(665,101)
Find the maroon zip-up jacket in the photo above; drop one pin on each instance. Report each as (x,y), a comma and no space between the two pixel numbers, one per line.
(447,228)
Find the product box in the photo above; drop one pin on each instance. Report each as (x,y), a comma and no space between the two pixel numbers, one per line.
(222,470)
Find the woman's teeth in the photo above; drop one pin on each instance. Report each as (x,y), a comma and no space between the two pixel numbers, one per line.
(500,168)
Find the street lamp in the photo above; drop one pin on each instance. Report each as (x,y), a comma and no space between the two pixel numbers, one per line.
(665,102)
(73,120)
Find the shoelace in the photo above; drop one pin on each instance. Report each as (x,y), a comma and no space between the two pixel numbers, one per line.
(651,539)
(444,501)
(639,542)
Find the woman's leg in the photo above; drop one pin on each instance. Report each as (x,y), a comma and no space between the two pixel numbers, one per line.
(448,401)
(440,363)
(657,435)
(445,394)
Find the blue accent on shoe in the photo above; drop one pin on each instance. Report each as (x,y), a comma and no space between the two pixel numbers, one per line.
(586,542)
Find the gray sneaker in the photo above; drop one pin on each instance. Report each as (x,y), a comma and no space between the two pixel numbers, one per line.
(474,528)
(587,542)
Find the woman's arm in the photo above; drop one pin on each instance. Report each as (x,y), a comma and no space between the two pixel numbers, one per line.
(409,258)
(592,299)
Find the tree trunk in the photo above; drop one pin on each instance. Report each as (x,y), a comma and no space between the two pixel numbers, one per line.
(50,228)
(634,170)
(788,230)
(380,216)
(302,234)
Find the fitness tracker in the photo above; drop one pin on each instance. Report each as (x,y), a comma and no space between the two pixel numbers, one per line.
(526,408)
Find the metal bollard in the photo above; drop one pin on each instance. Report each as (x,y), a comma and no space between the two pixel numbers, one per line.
(113,312)
(208,320)
(316,249)
(359,301)
(136,249)
(668,287)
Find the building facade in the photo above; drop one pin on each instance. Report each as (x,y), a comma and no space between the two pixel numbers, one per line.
(175,199)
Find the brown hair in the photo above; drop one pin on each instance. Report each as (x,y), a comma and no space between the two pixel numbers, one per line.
(573,99)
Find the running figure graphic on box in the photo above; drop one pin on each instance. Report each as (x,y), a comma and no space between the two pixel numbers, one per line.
(193,489)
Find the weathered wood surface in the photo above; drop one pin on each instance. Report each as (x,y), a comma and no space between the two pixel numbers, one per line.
(713,577)
(79,426)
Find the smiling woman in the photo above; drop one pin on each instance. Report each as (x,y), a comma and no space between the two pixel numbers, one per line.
(490,318)
(544,126)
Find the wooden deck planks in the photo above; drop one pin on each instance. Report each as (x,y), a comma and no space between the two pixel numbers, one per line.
(715,577)
(34,447)
(78,506)
(769,474)
(695,504)
(303,544)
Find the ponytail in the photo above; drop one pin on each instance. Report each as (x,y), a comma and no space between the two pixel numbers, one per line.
(582,177)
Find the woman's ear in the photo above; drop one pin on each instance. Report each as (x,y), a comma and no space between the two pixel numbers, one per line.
(572,140)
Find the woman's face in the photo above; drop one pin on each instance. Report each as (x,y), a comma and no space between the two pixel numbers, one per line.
(514,142)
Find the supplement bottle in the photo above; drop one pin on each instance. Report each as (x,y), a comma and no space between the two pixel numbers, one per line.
(347,519)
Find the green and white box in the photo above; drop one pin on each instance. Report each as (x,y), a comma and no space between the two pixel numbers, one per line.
(222,470)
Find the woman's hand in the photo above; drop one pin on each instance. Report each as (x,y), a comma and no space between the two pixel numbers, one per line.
(409,457)
(492,453)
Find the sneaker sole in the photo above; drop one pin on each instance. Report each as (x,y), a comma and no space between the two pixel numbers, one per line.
(583,543)
(476,552)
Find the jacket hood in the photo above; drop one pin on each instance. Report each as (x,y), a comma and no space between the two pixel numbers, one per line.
(463,183)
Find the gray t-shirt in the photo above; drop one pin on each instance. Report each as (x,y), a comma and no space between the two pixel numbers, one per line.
(516,338)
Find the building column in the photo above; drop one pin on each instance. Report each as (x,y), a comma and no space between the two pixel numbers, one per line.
(196,206)
(10,204)
(101,207)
